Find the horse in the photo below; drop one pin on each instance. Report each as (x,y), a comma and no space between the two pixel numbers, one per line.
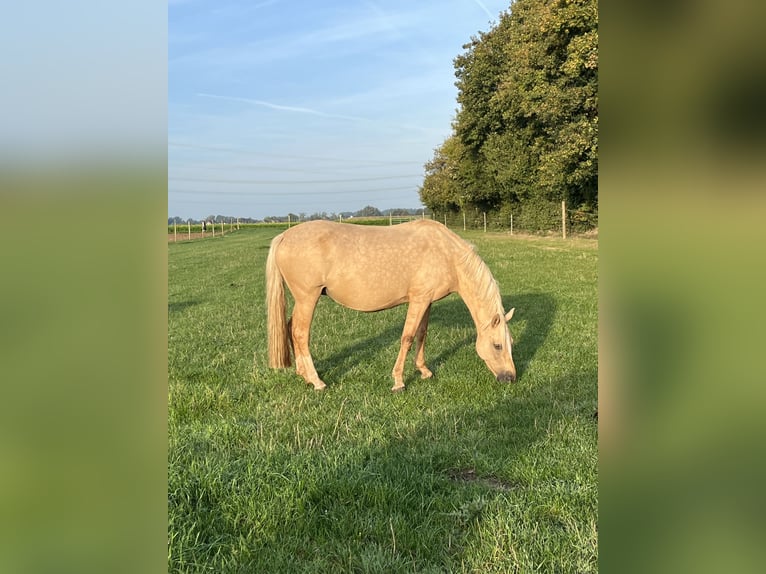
(370,268)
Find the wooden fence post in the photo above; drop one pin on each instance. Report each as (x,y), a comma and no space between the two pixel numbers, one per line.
(484,213)
(563,219)
(511,223)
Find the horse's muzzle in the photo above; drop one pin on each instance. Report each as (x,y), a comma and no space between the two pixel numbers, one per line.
(506,377)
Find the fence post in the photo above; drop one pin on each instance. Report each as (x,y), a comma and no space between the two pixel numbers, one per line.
(188,223)
(563,219)
(214,228)
(511,223)
(484,213)
(463,219)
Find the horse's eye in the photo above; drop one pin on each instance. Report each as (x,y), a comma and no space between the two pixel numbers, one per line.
(498,346)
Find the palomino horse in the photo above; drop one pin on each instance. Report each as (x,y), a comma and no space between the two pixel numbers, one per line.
(375,268)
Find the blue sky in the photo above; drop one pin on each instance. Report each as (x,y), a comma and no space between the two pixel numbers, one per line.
(278,106)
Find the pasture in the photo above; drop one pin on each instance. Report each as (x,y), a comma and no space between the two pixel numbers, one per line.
(459,473)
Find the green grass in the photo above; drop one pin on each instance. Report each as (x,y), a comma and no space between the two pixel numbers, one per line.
(459,473)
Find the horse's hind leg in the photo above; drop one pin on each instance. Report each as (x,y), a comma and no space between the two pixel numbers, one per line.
(300,323)
(420,345)
(415,314)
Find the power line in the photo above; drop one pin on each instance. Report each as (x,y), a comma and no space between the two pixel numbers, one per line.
(248,194)
(289,156)
(236,201)
(288,181)
(333,170)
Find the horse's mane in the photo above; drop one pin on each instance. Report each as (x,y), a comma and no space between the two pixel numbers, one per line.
(479,274)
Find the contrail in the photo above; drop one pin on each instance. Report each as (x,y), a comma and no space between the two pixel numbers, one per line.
(483,7)
(283,108)
(313,112)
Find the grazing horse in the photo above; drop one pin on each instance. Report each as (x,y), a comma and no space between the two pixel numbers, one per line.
(375,268)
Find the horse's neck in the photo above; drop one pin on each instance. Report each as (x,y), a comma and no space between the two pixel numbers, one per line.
(474,295)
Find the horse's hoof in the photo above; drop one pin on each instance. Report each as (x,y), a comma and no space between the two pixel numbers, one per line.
(397,389)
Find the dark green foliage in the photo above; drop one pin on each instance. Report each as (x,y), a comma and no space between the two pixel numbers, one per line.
(368,211)
(526,132)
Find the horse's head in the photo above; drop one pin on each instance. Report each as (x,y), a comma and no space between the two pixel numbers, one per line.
(494,344)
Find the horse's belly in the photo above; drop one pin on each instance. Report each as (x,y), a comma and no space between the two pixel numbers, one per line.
(366,300)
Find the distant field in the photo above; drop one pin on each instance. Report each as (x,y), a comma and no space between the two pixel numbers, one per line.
(459,473)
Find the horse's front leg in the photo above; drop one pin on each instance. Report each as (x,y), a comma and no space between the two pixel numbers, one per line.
(415,314)
(300,330)
(420,346)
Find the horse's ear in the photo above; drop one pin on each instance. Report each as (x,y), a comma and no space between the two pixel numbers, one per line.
(509,314)
(496,320)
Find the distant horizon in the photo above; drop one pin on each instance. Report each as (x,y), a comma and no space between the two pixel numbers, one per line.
(411,211)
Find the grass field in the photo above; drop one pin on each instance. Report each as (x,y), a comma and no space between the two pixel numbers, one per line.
(459,473)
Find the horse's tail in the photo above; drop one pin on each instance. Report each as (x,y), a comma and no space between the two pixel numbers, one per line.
(279,344)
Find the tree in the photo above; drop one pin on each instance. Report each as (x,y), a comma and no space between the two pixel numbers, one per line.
(368,211)
(549,95)
(526,129)
(441,189)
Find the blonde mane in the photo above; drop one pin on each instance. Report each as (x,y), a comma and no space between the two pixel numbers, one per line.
(477,272)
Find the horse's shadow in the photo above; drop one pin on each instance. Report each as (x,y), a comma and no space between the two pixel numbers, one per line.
(178,306)
(530,326)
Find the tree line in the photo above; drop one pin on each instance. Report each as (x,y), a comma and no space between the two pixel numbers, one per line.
(525,136)
(367,211)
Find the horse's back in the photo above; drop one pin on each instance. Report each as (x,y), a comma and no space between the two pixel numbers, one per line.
(369,267)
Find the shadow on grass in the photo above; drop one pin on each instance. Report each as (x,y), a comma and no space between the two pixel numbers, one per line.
(536,310)
(178,306)
(417,502)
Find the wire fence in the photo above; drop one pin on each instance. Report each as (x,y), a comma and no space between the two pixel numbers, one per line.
(199,230)
(553,219)
(550,220)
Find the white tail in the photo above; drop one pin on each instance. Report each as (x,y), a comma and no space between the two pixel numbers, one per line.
(278,332)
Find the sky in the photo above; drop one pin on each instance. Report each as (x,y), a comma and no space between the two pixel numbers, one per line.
(299,106)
